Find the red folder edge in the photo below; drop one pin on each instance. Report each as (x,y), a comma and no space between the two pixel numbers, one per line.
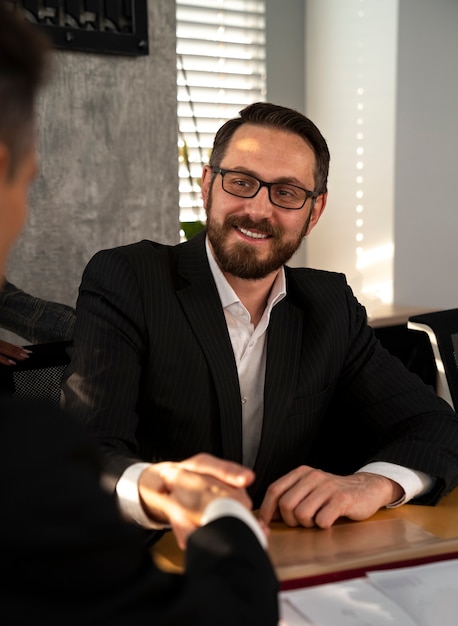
(358,572)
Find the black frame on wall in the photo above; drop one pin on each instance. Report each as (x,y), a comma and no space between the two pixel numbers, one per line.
(103,26)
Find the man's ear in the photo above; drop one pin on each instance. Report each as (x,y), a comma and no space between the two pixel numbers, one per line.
(317,212)
(206,180)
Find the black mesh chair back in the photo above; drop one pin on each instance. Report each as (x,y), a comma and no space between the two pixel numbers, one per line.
(442,330)
(39,377)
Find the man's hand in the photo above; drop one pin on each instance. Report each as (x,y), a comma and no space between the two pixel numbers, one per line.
(178,493)
(10,353)
(309,497)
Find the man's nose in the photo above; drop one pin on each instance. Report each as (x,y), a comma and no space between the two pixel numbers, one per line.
(260,205)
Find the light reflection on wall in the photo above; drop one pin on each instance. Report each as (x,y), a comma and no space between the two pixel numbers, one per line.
(350,93)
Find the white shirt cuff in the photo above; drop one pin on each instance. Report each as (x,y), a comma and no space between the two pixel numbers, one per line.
(413,482)
(227,507)
(129,499)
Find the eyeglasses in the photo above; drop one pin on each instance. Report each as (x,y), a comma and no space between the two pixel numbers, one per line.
(284,195)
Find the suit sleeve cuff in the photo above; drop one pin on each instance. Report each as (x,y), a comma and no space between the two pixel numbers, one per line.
(227,507)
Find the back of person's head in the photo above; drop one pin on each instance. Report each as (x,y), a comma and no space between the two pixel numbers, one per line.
(23,68)
(283,118)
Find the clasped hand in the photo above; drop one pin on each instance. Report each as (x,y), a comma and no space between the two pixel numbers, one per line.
(178,493)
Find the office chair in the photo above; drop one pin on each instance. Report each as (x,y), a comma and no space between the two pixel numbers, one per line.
(39,376)
(442,330)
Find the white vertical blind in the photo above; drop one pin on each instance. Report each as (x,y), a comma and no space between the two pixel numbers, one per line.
(220,69)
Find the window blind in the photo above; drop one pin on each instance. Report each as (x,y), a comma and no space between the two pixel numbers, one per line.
(220,69)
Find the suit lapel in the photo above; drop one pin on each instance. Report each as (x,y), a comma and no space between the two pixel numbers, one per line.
(284,342)
(199,298)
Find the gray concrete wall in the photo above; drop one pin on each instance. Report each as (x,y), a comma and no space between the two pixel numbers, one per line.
(285,51)
(107,138)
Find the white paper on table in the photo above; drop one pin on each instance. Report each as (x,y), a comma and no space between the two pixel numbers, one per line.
(429,593)
(348,603)
(289,616)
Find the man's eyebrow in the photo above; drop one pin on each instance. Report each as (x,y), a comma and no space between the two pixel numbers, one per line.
(292,180)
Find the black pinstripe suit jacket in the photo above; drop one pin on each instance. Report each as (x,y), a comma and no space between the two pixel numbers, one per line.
(154,377)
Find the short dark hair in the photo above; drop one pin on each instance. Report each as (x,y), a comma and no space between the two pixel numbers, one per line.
(267,114)
(24,64)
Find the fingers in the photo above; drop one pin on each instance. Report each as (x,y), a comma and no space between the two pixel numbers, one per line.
(265,529)
(194,490)
(165,508)
(182,532)
(153,493)
(183,523)
(270,508)
(171,493)
(5,361)
(309,497)
(226,471)
(10,353)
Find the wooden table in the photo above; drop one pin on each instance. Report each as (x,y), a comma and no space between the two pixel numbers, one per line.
(405,535)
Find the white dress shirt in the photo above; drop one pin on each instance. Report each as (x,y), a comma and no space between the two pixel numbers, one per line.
(249,345)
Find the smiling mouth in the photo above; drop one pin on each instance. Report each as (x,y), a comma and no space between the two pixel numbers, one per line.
(251,234)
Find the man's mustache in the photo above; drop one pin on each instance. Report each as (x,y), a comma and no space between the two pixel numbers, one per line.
(262,226)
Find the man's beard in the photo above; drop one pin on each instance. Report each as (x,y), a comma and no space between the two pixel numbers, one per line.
(241,259)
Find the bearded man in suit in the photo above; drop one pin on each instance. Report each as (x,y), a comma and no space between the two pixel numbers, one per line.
(216,345)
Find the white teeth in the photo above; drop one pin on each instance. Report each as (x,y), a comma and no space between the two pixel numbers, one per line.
(249,233)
